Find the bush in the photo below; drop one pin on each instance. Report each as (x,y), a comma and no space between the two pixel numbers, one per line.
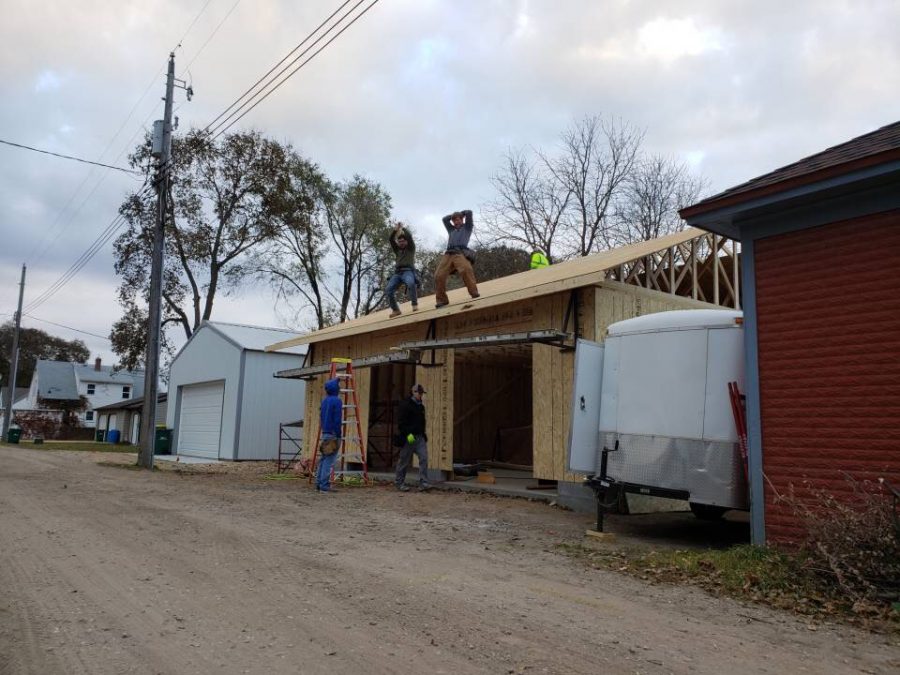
(852,539)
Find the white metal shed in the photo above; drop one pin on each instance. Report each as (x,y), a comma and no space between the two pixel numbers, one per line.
(224,402)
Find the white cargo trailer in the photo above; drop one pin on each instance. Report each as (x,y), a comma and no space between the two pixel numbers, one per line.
(652,414)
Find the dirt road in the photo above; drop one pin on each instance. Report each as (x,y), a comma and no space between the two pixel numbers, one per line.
(104,570)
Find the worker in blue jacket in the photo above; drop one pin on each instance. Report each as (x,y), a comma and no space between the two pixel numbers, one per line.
(330,418)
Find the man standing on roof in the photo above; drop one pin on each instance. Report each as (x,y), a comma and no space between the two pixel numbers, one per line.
(404,268)
(331,413)
(457,258)
(411,428)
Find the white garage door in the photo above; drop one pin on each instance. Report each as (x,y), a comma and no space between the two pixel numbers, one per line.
(200,421)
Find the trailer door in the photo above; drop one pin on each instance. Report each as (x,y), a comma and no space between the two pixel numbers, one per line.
(584,430)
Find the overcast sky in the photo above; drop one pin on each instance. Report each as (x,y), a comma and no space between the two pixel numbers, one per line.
(424,96)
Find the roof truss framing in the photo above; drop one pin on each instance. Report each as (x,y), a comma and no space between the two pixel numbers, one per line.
(705,268)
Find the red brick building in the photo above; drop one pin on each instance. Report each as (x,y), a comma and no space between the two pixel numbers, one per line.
(821,283)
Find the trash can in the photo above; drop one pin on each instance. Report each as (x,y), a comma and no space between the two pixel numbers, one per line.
(112,436)
(14,434)
(162,444)
(99,435)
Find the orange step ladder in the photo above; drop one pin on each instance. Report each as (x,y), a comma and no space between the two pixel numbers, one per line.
(351,459)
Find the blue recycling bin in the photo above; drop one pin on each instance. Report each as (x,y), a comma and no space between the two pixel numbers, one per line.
(112,436)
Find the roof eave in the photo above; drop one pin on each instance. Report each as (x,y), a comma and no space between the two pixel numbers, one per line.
(722,216)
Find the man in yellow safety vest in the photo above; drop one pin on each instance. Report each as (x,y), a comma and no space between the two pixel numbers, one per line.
(538,259)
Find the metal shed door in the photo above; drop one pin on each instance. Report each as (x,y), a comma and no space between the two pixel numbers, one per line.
(584,431)
(200,421)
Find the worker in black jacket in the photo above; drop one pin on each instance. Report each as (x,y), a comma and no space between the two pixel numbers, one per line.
(411,428)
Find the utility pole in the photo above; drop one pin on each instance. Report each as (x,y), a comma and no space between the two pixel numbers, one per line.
(162,150)
(13,362)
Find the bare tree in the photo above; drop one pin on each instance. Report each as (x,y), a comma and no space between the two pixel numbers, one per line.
(653,194)
(530,205)
(563,202)
(593,192)
(596,159)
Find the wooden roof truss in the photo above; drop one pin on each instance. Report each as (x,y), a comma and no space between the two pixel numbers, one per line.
(705,268)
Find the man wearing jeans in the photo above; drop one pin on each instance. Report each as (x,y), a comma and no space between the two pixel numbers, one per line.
(411,427)
(331,413)
(404,268)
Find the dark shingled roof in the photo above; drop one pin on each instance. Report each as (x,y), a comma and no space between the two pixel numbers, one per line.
(872,148)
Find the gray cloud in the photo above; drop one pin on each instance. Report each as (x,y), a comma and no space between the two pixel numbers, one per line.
(423,96)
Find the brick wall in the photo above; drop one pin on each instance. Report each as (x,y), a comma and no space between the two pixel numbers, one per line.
(828,302)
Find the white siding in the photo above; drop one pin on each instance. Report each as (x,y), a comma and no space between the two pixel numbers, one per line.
(267,402)
(206,358)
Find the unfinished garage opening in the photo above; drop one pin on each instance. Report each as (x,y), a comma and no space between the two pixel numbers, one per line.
(492,404)
(389,384)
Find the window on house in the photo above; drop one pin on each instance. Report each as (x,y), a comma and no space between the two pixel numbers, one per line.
(126,392)
(89,416)
(92,389)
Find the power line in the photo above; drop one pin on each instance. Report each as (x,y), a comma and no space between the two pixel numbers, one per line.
(196,18)
(108,232)
(224,127)
(128,144)
(211,36)
(77,330)
(302,42)
(77,159)
(32,259)
(77,266)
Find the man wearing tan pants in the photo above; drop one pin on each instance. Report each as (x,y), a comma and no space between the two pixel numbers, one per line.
(459,229)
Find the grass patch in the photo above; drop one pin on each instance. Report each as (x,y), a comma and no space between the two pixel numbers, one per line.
(83,446)
(756,574)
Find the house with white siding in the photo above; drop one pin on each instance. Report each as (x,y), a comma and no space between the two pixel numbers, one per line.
(56,382)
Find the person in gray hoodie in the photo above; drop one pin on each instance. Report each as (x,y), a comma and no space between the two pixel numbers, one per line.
(456,258)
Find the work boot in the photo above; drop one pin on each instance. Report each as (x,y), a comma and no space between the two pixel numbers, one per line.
(403,488)
(395,313)
(425,487)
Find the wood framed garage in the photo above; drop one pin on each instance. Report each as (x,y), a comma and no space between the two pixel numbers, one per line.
(498,370)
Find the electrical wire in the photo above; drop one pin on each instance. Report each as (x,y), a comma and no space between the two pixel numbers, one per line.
(108,232)
(222,127)
(77,330)
(31,259)
(211,36)
(253,86)
(77,159)
(196,18)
